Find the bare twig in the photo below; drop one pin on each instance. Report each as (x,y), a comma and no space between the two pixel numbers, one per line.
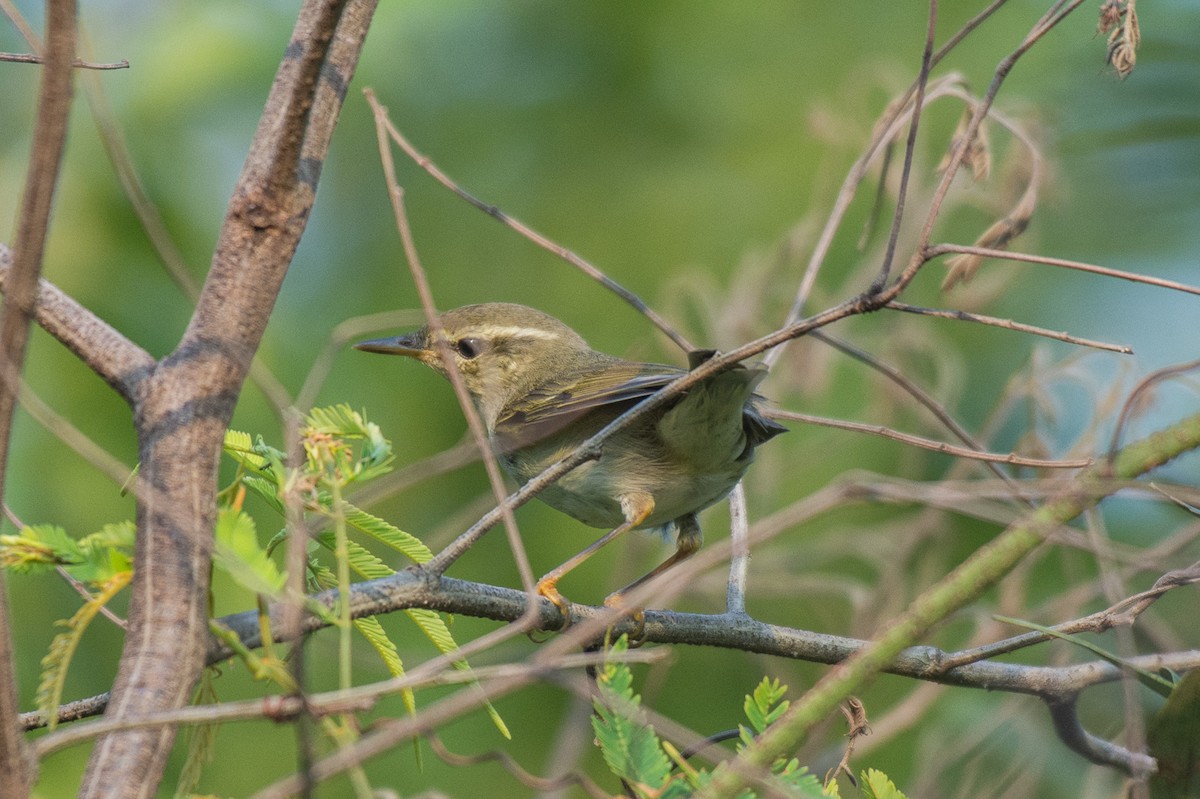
(326,703)
(21,24)
(1122,613)
(919,394)
(856,721)
(981,570)
(1010,458)
(537,238)
(739,555)
(73,437)
(510,764)
(1144,385)
(25,58)
(1055,14)
(910,146)
(1006,255)
(478,432)
(20,302)
(1008,324)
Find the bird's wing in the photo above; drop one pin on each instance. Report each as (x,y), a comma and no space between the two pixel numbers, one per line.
(551,407)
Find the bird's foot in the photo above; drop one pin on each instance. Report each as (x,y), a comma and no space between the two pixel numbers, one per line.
(636,615)
(547,588)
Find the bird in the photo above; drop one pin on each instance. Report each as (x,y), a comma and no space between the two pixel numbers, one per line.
(541,391)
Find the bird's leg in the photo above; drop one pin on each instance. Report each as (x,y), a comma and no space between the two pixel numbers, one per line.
(687,542)
(637,508)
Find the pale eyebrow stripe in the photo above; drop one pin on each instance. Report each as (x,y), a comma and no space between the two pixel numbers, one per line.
(512,331)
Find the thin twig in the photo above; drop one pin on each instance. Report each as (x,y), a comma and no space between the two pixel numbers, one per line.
(970,578)
(921,396)
(1113,588)
(1010,458)
(1144,385)
(1122,613)
(739,553)
(1006,255)
(520,774)
(1057,12)
(114,358)
(326,703)
(16,314)
(910,146)
(427,164)
(22,25)
(1008,324)
(478,431)
(62,429)
(25,58)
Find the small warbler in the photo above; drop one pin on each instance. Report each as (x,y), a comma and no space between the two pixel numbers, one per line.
(541,391)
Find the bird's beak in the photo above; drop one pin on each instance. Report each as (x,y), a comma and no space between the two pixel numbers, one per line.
(412,345)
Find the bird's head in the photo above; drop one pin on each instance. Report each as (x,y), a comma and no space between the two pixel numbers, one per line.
(502,350)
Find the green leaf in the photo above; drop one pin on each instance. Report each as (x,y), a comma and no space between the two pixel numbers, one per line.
(106,553)
(763,706)
(265,489)
(434,626)
(39,548)
(876,785)
(119,535)
(243,449)
(342,422)
(629,744)
(406,543)
(238,552)
(1174,738)
(803,783)
(201,740)
(370,628)
(362,560)
(62,648)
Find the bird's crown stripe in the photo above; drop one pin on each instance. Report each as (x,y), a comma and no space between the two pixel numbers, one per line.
(513,331)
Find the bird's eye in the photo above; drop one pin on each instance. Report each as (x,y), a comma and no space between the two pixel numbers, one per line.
(470,347)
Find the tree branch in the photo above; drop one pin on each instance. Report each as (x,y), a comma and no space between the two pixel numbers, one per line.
(114,358)
(182,407)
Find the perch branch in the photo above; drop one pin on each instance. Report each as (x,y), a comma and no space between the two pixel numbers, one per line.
(1010,458)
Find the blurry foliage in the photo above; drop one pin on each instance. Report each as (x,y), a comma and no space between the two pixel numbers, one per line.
(689,150)
(341,449)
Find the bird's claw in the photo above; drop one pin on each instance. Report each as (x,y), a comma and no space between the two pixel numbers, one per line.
(637,616)
(547,589)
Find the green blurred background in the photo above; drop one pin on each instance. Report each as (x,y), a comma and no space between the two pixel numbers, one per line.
(689,150)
